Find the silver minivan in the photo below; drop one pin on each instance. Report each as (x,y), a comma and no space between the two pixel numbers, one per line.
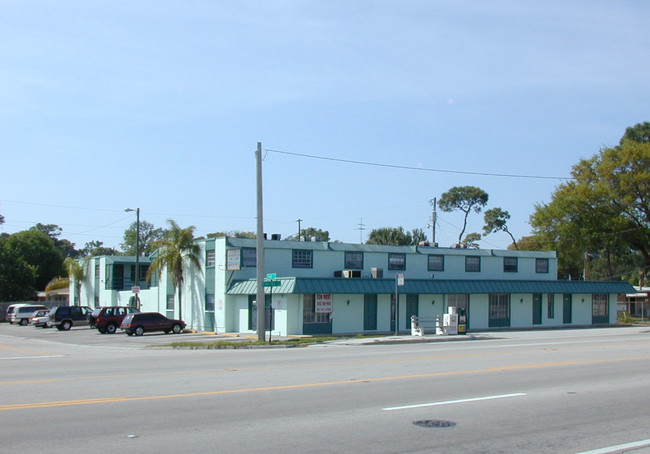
(20,313)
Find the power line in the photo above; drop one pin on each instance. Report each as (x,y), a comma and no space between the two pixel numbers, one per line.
(422,169)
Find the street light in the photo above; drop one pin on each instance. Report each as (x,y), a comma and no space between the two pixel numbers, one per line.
(136,288)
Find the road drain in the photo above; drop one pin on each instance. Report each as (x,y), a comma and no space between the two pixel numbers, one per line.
(434,423)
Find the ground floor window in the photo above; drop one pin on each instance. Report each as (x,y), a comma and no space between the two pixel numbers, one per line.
(550,302)
(314,309)
(499,310)
(599,308)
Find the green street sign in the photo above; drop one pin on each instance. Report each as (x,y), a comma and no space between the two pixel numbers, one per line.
(271,283)
(271,276)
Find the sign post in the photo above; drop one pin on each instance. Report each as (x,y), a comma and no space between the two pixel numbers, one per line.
(399,282)
(270,281)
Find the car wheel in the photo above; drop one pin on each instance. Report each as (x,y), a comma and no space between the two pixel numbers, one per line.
(101,330)
(139,331)
(176,329)
(111,328)
(65,326)
(23,321)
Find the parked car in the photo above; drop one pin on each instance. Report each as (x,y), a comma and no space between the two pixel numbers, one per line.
(65,317)
(108,319)
(22,312)
(145,322)
(39,317)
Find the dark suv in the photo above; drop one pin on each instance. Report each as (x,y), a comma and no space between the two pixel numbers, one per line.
(143,322)
(110,318)
(65,317)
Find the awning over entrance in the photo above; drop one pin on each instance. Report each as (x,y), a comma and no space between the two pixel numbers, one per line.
(298,285)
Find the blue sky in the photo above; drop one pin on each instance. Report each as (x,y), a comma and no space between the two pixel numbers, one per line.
(159,105)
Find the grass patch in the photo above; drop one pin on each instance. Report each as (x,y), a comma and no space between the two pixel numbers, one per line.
(226,344)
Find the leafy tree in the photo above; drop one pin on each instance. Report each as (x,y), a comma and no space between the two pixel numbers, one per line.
(395,236)
(637,133)
(310,232)
(233,234)
(54,232)
(603,213)
(148,236)
(17,277)
(495,221)
(471,240)
(77,273)
(465,199)
(173,253)
(97,248)
(38,250)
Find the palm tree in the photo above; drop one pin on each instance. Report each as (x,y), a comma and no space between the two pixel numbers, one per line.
(77,272)
(173,252)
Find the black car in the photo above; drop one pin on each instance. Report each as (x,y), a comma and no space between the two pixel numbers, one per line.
(144,322)
(65,317)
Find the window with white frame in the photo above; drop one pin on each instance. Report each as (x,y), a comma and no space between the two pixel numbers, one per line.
(301,258)
(436,262)
(472,264)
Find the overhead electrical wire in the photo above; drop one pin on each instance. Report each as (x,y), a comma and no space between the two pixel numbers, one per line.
(422,169)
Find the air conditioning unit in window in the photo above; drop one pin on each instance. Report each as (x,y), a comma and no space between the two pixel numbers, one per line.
(351,273)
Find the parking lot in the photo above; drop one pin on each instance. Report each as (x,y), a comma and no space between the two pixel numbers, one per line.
(86,336)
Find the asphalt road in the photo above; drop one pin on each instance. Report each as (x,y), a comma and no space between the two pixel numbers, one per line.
(567,391)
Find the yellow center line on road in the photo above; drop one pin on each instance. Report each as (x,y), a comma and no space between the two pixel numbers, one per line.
(31,352)
(105,400)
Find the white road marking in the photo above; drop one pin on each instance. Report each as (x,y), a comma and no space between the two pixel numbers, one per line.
(619,448)
(449,402)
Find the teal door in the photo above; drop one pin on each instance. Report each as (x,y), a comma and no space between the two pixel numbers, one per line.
(567,308)
(369,312)
(537,309)
(412,304)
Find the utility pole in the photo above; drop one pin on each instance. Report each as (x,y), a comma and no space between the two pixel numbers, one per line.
(434,217)
(260,296)
(299,221)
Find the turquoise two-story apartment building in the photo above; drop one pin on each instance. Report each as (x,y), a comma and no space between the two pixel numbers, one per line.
(339,288)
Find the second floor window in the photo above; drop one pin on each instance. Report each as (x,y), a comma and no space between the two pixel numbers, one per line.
(353,260)
(396,261)
(510,264)
(249,256)
(472,264)
(541,265)
(436,263)
(209,258)
(301,258)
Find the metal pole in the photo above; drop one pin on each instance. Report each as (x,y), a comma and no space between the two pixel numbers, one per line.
(396,307)
(260,296)
(137,256)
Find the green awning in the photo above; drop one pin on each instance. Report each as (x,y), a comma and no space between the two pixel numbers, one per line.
(298,285)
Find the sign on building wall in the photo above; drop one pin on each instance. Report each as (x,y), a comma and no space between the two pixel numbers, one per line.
(233,260)
(323,303)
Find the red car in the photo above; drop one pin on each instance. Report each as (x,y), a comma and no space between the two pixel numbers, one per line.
(110,318)
(145,322)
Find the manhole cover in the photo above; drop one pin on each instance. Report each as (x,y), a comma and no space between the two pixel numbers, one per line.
(434,423)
